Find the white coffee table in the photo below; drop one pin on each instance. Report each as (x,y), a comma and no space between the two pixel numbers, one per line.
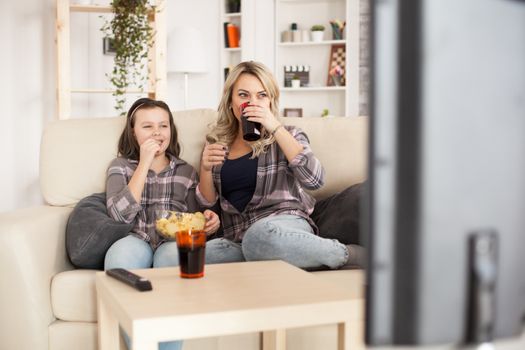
(266,297)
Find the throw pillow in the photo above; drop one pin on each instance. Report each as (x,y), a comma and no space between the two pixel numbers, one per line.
(338,216)
(90,231)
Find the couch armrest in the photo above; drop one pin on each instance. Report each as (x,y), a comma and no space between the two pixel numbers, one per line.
(33,251)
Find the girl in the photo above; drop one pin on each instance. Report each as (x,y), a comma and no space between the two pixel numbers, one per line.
(149,176)
(261,185)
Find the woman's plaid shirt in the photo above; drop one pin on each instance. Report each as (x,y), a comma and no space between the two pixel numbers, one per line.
(279,189)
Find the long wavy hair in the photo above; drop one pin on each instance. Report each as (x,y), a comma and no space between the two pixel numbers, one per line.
(227,126)
(128,146)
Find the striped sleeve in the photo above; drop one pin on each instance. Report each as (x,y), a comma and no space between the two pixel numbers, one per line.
(203,202)
(307,169)
(121,204)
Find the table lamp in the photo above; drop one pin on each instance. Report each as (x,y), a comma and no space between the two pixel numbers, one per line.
(186,54)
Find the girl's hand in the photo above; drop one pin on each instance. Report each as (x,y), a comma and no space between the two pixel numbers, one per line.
(213,154)
(212,222)
(148,150)
(262,115)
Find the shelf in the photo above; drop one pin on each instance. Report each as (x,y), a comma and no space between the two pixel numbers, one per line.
(92,8)
(311,89)
(319,56)
(108,91)
(311,43)
(232,15)
(157,76)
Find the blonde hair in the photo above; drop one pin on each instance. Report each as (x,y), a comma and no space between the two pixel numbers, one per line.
(227,126)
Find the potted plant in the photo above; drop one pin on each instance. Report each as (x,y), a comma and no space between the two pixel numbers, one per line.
(317,32)
(326,113)
(132,38)
(296,81)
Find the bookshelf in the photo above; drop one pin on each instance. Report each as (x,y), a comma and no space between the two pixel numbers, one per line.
(317,95)
(230,28)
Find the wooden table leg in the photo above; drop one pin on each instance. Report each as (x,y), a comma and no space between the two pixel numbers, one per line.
(343,336)
(274,340)
(108,331)
(145,345)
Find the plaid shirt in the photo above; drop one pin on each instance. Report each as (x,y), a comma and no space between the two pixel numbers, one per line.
(279,188)
(171,189)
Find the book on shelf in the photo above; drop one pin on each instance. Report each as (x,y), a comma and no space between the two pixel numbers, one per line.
(226,42)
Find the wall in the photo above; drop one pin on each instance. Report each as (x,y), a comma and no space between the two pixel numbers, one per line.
(28,75)
(203,87)
(28,71)
(27,96)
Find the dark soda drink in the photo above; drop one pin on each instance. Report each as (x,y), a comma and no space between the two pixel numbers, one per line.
(251,131)
(191,245)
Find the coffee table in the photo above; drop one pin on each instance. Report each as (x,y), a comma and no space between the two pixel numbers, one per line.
(267,297)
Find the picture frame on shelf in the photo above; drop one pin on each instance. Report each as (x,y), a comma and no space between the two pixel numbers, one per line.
(108,46)
(293,112)
(337,66)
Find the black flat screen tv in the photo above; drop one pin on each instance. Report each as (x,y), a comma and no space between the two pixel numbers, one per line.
(445,216)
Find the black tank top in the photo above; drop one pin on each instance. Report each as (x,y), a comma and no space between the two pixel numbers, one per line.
(238,180)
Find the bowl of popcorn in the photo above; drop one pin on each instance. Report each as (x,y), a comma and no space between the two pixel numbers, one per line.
(168,223)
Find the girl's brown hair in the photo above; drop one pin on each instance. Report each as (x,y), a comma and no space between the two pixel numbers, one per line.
(227,125)
(127,144)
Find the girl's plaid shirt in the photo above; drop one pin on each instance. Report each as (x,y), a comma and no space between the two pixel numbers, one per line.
(171,189)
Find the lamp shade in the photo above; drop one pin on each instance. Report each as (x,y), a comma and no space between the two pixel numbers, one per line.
(186,51)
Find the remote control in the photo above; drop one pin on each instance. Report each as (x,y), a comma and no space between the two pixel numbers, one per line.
(140,283)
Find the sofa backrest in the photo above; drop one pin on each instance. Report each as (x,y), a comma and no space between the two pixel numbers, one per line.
(75,153)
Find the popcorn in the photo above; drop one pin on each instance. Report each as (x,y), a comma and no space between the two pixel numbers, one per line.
(176,221)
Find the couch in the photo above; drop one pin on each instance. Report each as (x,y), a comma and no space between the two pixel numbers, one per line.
(46,303)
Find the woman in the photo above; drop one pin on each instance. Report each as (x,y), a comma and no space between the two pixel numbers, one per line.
(260,184)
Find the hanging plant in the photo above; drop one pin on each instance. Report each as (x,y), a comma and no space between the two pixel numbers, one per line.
(132,38)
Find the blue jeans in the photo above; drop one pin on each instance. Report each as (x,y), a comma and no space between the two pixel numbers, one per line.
(280,237)
(133,253)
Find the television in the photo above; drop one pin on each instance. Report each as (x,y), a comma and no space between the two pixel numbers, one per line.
(445,215)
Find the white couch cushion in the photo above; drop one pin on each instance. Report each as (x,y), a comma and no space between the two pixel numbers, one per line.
(75,153)
(73,296)
(341,146)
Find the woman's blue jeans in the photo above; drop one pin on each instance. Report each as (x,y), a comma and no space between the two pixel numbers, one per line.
(280,237)
(133,253)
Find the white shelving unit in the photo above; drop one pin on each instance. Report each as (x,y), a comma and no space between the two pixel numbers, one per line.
(339,100)
(253,32)
(229,57)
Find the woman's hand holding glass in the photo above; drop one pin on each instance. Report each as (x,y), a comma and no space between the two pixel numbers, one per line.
(213,154)
(262,115)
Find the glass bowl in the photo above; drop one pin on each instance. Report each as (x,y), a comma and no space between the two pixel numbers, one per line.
(168,223)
